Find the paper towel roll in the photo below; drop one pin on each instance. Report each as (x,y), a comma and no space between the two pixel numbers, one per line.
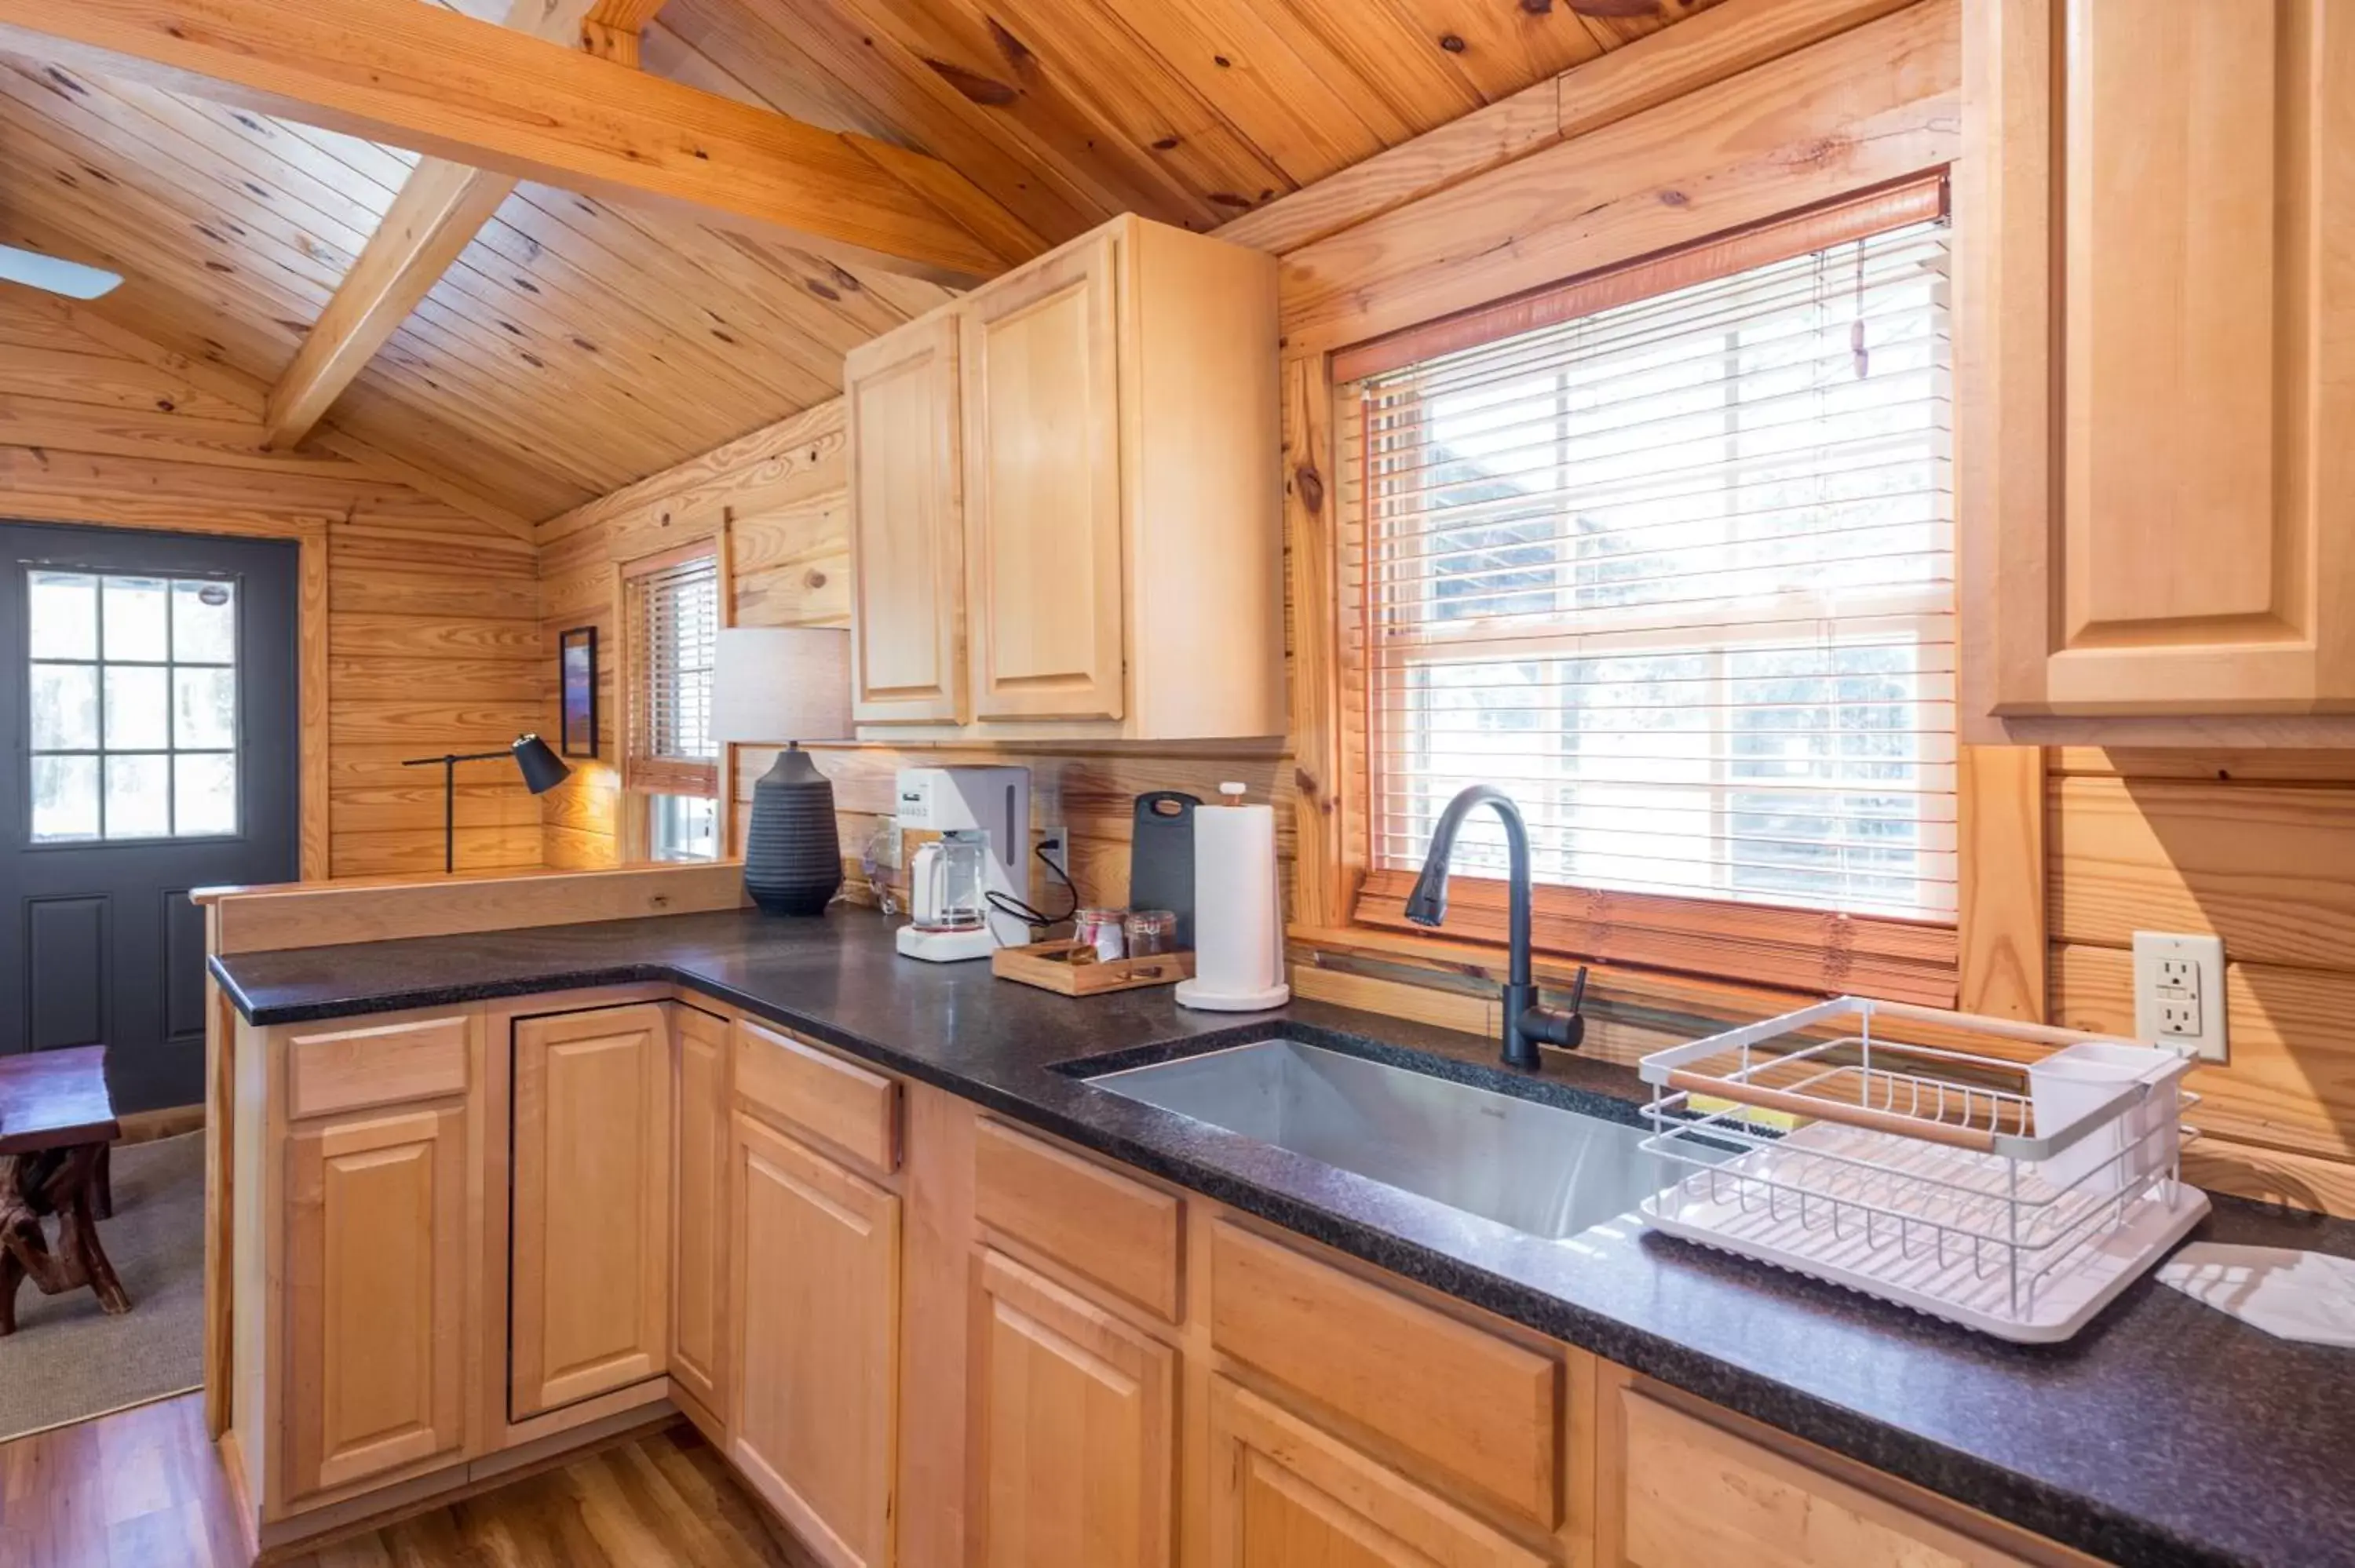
(1238,911)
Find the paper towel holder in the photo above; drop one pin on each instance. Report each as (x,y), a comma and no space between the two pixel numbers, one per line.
(1213,991)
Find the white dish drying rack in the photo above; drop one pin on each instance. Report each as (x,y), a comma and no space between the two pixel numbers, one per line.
(2012,1178)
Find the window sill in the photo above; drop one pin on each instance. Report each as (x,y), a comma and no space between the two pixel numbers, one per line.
(1661,999)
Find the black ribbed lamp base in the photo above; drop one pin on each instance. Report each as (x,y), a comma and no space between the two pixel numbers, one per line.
(793,852)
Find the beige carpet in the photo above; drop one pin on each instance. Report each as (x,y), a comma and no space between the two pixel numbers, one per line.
(68,1360)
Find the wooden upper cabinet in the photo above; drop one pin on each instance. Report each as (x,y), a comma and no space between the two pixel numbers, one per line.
(375,1296)
(2157,326)
(1120,532)
(1042,464)
(591,1262)
(906,536)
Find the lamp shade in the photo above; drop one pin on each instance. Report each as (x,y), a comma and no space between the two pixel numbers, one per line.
(772,683)
(542,770)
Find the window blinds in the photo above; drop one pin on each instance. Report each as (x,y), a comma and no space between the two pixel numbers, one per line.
(674,622)
(1676,574)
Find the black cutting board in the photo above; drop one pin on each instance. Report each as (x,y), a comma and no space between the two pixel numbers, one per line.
(1161,858)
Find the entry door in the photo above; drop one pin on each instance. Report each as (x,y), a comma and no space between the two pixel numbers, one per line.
(148,696)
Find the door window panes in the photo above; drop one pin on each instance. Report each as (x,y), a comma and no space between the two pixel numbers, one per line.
(133,703)
(138,717)
(135,615)
(65,797)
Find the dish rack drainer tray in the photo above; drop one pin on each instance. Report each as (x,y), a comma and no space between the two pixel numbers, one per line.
(1922,1173)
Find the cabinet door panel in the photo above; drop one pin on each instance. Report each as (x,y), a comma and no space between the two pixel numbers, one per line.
(1075,1440)
(1285,1494)
(376,1267)
(907,563)
(2157,195)
(1043,492)
(814,1262)
(591,1251)
(699,1208)
(1696,1497)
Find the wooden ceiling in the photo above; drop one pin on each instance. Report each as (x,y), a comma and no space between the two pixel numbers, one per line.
(578,343)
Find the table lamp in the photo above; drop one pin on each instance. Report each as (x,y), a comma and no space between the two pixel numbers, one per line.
(790,683)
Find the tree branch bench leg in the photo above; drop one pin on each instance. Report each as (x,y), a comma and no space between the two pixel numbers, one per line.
(57,1182)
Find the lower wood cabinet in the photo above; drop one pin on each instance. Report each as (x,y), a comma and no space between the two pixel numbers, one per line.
(1099,1372)
(1285,1494)
(1692,1495)
(589,1248)
(376,1253)
(698,1225)
(1075,1429)
(814,1261)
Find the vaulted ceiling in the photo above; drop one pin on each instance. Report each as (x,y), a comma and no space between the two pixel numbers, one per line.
(576,344)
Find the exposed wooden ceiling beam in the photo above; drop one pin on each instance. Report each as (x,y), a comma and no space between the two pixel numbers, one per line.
(439,210)
(611,29)
(440,207)
(421,77)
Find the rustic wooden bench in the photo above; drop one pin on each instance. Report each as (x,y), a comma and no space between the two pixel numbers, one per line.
(56,1124)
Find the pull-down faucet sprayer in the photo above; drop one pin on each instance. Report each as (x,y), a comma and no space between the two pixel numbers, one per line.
(1525,1023)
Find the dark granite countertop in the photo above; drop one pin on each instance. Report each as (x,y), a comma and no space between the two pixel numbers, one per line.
(2166,1433)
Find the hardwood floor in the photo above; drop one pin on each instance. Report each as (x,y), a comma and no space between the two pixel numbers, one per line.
(142,1489)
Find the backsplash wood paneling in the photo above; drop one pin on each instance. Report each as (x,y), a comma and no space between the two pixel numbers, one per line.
(2258,848)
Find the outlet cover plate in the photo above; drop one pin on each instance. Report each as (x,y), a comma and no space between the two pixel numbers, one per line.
(2178,991)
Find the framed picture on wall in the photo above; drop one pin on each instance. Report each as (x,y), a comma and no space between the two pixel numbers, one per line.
(576,663)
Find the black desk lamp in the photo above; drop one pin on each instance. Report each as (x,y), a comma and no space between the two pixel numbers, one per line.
(542,770)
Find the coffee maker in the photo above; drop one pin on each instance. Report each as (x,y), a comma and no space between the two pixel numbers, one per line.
(965,834)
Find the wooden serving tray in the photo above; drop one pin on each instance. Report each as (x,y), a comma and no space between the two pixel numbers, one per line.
(1051,965)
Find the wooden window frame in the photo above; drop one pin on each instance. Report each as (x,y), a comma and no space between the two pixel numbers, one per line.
(1991,960)
(640,779)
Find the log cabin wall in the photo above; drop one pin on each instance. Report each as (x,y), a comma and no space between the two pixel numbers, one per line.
(2259,848)
(778,501)
(419,623)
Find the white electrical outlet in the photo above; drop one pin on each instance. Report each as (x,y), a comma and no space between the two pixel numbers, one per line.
(1055,845)
(2179,989)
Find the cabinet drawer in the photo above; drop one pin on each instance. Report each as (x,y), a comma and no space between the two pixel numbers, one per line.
(1482,1410)
(854,1110)
(1282,1491)
(1694,1495)
(339,1069)
(1121,1233)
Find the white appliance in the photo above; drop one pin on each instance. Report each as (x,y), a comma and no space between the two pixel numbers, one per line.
(993,801)
(1238,910)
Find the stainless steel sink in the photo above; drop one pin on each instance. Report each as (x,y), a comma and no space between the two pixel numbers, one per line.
(1537,1167)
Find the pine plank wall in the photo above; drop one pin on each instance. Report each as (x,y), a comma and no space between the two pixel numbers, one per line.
(429,620)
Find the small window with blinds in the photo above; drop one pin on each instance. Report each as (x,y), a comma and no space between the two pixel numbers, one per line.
(1676,570)
(672,607)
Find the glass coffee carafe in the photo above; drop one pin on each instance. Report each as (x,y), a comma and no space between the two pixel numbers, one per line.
(946,886)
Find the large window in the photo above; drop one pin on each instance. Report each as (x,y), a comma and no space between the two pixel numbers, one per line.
(133,727)
(1677,573)
(671,608)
